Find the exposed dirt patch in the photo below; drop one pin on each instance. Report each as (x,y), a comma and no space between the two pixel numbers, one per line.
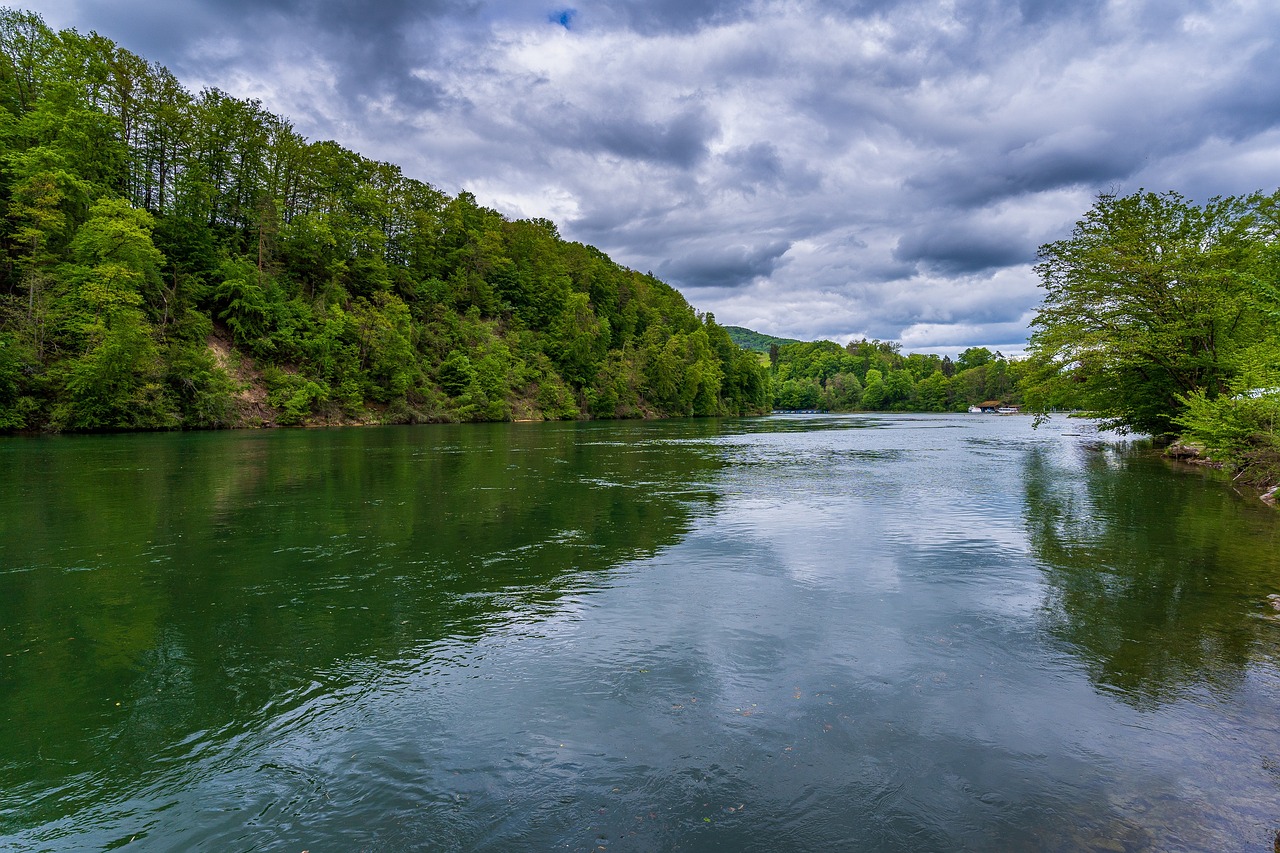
(252,408)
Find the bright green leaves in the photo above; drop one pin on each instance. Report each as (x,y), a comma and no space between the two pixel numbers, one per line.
(243,302)
(295,397)
(578,340)
(1148,301)
(974,357)
(116,382)
(875,376)
(456,374)
(26,48)
(1242,427)
(199,388)
(46,200)
(1161,315)
(874,392)
(383,331)
(17,406)
(931,392)
(120,266)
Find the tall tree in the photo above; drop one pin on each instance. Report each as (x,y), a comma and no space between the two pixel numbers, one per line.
(1144,302)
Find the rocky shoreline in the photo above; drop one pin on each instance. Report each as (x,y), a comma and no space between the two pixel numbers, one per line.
(1195,454)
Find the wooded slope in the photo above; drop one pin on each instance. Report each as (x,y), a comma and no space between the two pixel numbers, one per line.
(180,260)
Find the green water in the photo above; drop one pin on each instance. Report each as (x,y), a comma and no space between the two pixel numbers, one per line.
(842,633)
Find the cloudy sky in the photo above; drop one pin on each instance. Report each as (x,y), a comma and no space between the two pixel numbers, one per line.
(807,168)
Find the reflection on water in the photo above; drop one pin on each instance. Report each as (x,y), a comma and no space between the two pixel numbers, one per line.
(164,594)
(855,633)
(1152,578)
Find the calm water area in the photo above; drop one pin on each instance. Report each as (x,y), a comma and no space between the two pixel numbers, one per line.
(853,633)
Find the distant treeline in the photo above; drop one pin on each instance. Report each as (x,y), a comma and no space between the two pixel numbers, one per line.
(875,376)
(756,341)
(180,260)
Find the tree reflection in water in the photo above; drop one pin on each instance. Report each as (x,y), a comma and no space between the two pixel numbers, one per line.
(1157,582)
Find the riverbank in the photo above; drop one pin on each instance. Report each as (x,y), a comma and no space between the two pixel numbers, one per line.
(1256,477)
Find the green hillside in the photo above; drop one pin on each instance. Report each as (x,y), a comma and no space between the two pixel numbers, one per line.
(179,260)
(755,341)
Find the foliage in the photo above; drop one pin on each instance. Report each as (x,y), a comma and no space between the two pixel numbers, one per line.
(144,226)
(755,341)
(1162,315)
(875,376)
(1240,429)
(1148,301)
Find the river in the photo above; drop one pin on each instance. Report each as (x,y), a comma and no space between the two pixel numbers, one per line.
(864,632)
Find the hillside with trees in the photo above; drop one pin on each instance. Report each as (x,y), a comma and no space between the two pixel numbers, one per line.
(188,260)
(756,341)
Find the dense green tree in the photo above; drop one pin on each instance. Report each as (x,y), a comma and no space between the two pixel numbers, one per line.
(456,374)
(794,394)
(973,357)
(874,393)
(16,403)
(1163,316)
(1147,301)
(842,392)
(931,392)
(899,388)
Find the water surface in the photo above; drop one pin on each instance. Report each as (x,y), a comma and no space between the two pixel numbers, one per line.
(855,633)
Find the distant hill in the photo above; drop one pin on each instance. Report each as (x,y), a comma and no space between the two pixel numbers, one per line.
(755,341)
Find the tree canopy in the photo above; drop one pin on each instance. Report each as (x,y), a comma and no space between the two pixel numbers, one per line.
(1152,298)
(876,376)
(175,259)
(1160,316)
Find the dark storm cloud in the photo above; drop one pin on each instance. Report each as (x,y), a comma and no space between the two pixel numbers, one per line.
(976,179)
(728,266)
(371,43)
(959,248)
(681,140)
(759,166)
(1252,104)
(815,167)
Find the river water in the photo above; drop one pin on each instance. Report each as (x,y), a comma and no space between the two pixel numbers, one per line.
(880,633)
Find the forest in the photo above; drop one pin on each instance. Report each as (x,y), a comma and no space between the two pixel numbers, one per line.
(177,260)
(876,376)
(756,341)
